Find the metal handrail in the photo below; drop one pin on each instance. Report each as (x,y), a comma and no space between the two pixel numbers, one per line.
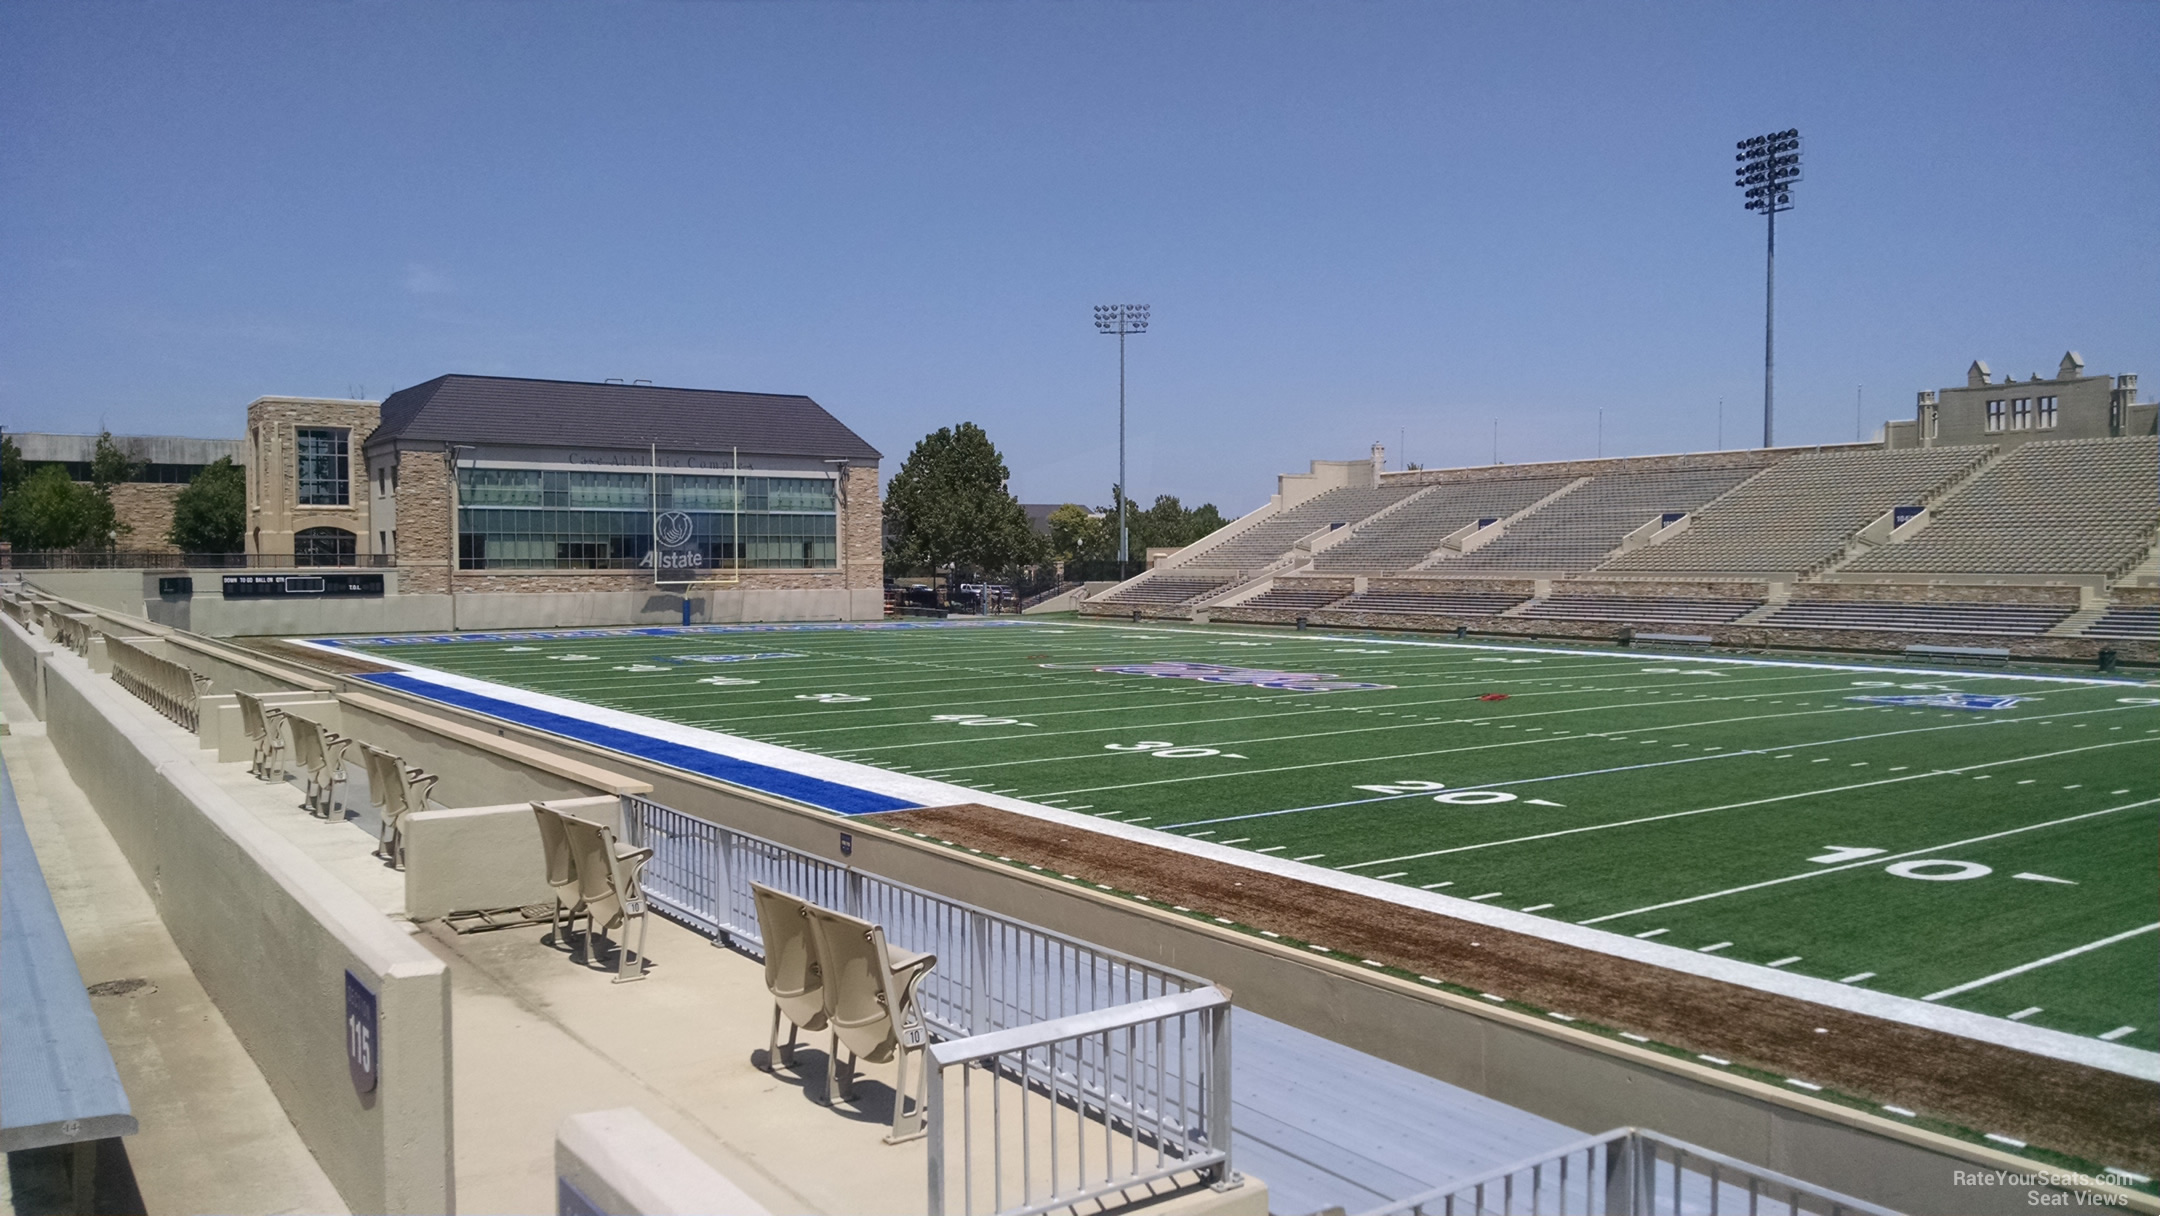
(1618,1175)
(1144,1090)
(1135,1054)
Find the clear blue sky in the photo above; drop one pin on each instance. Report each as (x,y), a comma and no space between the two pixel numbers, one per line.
(1355,222)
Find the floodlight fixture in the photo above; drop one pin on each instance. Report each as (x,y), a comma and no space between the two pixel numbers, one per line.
(1769,167)
(1124,320)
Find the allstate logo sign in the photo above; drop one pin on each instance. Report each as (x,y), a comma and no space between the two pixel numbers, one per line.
(674,529)
(673,532)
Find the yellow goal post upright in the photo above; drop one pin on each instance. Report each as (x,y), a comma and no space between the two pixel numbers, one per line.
(680,531)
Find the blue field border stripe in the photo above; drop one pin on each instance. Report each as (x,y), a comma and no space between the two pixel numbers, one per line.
(816,791)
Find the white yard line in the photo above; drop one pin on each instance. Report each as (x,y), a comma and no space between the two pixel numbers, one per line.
(1877,860)
(1985,980)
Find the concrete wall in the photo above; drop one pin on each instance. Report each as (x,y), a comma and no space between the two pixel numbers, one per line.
(621,1164)
(271,935)
(209,612)
(484,857)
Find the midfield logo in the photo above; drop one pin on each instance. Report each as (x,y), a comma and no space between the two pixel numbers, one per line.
(1945,700)
(1255,677)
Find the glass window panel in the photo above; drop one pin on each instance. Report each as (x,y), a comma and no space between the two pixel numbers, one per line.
(324,466)
(535,519)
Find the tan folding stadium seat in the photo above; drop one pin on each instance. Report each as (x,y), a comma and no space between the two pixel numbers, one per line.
(608,880)
(265,725)
(793,973)
(562,874)
(870,1006)
(398,789)
(321,753)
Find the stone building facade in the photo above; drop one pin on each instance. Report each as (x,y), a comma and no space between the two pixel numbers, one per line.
(307,491)
(2009,412)
(163,465)
(489,487)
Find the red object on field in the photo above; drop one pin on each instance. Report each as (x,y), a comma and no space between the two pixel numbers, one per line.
(1494,696)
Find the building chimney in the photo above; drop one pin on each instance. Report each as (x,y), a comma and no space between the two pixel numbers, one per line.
(1379,457)
(1976,376)
(2072,366)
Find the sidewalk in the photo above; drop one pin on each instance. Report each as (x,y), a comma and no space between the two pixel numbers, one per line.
(213,1138)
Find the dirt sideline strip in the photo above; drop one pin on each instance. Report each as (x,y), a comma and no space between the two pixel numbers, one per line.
(2102,1116)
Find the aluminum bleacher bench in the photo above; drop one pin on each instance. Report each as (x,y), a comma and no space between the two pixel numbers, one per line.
(1682,639)
(58,1085)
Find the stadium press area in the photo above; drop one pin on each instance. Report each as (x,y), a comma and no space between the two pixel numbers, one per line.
(1969,851)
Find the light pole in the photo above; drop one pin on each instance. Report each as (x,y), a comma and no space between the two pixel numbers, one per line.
(1121,319)
(1769,167)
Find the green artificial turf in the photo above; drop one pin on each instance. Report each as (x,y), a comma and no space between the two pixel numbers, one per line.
(1651,795)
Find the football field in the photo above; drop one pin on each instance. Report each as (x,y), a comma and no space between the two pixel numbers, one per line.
(1986,840)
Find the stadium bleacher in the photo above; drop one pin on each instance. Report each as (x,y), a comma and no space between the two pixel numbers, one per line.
(1799,515)
(1893,617)
(2138,622)
(1272,537)
(1301,599)
(1578,531)
(1466,604)
(1407,537)
(1163,591)
(2063,507)
(1691,610)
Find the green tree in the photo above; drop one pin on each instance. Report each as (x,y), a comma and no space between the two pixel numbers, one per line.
(210,515)
(948,506)
(12,471)
(109,466)
(46,510)
(1078,534)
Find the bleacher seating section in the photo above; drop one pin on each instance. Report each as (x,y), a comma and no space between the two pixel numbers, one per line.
(1164,591)
(1578,531)
(1465,604)
(1408,536)
(2081,506)
(1300,598)
(1972,618)
(2134,623)
(1272,537)
(1799,514)
(1663,608)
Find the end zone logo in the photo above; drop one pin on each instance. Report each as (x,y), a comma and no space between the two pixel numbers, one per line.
(1945,700)
(1254,677)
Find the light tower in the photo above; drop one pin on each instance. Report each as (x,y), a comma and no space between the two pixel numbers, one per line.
(1121,319)
(1769,167)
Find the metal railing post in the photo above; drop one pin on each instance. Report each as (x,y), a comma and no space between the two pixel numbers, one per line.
(1218,1099)
(934,1092)
(978,924)
(1621,1181)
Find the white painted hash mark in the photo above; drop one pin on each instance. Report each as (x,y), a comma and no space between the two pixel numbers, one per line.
(1712,948)
(2013,1143)
(1787,961)
(1807,1085)
(1854,979)
(2119,1032)
(1537,907)
(2029,876)
(2024,1013)
(1636,1038)
(1653,932)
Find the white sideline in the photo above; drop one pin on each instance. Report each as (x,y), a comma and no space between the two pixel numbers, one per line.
(2052,1044)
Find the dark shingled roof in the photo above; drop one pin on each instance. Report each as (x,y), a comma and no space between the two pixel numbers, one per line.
(569,413)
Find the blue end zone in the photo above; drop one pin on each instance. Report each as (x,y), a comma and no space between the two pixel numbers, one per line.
(830,795)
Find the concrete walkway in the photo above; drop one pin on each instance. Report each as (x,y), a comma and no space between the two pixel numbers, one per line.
(213,1138)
